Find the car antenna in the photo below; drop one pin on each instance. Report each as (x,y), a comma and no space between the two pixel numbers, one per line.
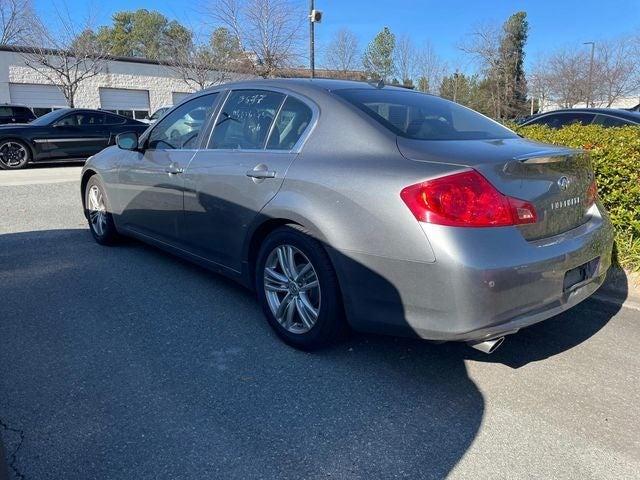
(378,84)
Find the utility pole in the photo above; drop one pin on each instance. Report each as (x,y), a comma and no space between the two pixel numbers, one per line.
(315,16)
(589,85)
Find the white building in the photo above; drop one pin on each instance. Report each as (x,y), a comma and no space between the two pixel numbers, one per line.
(130,86)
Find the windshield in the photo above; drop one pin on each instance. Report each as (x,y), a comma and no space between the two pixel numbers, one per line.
(424,117)
(50,117)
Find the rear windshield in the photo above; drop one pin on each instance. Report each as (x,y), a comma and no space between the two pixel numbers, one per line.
(424,117)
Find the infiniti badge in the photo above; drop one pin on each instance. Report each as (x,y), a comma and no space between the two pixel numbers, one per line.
(563,183)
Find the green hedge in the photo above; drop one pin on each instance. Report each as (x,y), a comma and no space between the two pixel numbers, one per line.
(616,158)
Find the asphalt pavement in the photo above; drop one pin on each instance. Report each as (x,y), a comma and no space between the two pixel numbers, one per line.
(126,363)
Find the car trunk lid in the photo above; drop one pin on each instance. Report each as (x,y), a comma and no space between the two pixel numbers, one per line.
(555,180)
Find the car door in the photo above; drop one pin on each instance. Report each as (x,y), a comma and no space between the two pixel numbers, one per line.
(256,136)
(151,182)
(77,135)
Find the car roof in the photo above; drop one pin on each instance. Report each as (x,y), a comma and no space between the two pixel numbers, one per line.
(13,105)
(326,84)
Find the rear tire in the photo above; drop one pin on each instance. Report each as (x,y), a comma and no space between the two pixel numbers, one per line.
(98,213)
(298,289)
(14,155)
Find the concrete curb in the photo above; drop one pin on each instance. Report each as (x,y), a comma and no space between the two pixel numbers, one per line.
(620,288)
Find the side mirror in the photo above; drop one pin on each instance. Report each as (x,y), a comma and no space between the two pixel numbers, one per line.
(127,140)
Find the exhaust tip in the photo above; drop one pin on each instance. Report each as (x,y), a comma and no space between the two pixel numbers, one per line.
(487,346)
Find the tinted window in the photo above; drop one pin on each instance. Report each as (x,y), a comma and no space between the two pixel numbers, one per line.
(424,117)
(245,119)
(82,119)
(6,112)
(559,120)
(16,112)
(607,121)
(114,119)
(180,128)
(292,121)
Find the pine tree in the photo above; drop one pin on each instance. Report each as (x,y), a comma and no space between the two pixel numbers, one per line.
(514,84)
(378,58)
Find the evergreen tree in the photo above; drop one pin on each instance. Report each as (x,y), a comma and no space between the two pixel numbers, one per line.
(514,85)
(378,58)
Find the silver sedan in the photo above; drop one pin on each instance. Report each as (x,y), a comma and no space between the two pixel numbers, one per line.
(345,204)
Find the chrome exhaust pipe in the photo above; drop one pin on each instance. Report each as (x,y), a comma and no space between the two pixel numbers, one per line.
(488,346)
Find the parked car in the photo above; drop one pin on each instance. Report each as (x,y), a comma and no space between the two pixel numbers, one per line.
(606,117)
(343,203)
(15,114)
(64,135)
(157,115)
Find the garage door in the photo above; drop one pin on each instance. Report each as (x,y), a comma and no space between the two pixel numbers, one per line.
(124,99)
(36,96)
(179,96)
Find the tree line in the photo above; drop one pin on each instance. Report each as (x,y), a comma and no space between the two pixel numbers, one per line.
(267,38)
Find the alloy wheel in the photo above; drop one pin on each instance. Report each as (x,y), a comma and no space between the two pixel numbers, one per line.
(292,289)
(97,210)
(13,154)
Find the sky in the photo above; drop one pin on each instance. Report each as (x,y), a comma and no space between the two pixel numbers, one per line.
(444,23)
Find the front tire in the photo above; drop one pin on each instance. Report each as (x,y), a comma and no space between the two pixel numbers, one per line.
(298,289)
(14,155)
(98,213)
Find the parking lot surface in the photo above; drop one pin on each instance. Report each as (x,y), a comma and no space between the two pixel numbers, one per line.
(126,363)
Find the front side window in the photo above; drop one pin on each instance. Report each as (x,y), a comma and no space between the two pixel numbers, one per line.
(292,121)
(423,117)
(245,120)
(180,128)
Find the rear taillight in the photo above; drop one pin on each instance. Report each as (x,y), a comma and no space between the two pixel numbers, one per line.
(465,199)
(592,193)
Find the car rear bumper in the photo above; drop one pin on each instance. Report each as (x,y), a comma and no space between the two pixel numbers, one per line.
(485,282)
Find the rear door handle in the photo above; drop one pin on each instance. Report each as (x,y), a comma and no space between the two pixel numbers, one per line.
(173,170)
(261,173)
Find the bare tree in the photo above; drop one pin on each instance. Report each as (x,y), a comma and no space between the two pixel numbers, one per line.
(203,65)
(483,45)
(342,53)
(615,70)
(405,59)
(430,69)
(64,55)
(267,30)
(16,18)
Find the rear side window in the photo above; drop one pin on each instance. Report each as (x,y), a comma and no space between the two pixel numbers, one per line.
(114,119)
(292,121)
(6,112)
(424,117)
(607,121)
(245,120)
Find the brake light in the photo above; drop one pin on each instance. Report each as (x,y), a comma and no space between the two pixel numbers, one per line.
(465,199)
(592,193)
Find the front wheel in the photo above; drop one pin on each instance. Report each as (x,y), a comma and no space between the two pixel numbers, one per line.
(298,289)
(14,155)
(100,219)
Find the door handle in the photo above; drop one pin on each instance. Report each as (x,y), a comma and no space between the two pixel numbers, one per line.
(173,170)
(261,173)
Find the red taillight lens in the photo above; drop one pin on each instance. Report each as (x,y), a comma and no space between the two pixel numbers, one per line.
(592,193)
(465,199)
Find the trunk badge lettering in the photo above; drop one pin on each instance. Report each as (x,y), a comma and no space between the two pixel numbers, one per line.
(570,202)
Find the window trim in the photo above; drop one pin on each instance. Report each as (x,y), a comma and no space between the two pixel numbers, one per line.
(630,123)
(315,114)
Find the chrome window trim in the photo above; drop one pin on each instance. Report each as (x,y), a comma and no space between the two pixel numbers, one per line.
(631,122)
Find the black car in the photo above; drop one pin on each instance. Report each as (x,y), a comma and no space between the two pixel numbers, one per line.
(606,117)
(15,114)
(64,135)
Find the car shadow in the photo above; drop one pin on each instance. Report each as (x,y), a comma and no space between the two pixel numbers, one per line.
(126,362)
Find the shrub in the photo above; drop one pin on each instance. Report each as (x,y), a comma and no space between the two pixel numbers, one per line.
(616,158)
